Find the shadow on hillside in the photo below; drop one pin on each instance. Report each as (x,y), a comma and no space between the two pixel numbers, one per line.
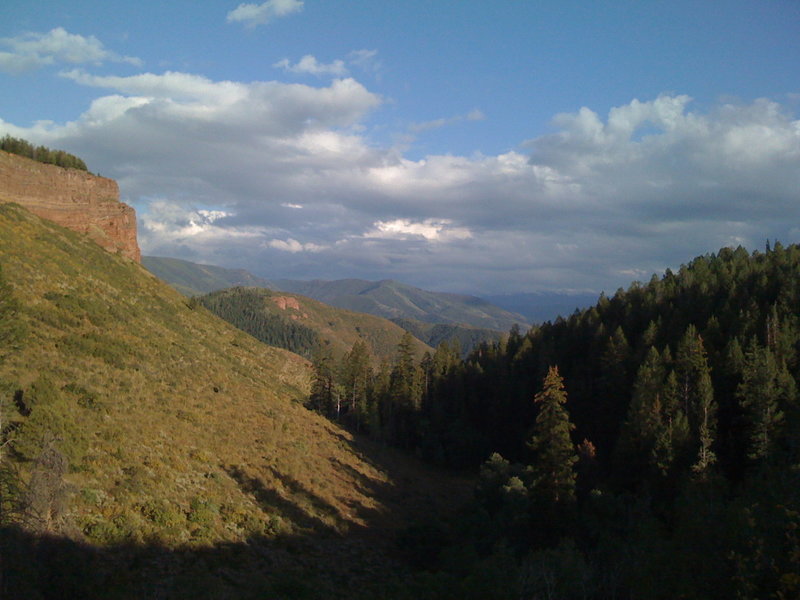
(328,558)
(51,567)
(271,501)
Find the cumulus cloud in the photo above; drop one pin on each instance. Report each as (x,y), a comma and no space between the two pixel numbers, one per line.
(435,230)
(190,226)
(293,246)
(364,60)
(311,66)
(282,179)
(31,51)
(253,15)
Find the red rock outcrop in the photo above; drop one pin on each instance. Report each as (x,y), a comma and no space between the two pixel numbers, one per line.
(71,198)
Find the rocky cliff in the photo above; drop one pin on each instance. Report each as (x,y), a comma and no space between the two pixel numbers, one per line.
(74,199)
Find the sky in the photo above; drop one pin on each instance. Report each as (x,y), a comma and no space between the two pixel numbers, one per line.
(483,147)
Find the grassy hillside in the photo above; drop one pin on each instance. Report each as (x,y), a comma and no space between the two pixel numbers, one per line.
(168,452)
(194,279)
(395,300)
(279,318)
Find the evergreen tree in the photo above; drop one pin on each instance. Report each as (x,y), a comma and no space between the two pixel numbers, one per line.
(555,455)
(697,397)
(404,392)
(672,441)
(356,375)
(643,425)
(765,387)
(324,397)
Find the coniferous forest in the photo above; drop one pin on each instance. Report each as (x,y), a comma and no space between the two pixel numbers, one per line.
(647,447)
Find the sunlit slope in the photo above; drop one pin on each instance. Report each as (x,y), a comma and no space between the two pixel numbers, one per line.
(178,427)
(335,328)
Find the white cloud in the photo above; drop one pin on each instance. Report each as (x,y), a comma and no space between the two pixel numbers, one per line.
(189,225)
(293,246)
(31,51)
(261,14)
(434,230)
(600,200)
(311,66)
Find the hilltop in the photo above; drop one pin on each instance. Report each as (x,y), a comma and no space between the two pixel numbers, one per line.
(175,452)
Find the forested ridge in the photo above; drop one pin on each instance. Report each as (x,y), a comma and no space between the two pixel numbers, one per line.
(646,447)
(41,154)
(244,309)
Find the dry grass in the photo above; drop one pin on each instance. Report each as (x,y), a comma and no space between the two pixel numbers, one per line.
(183,430)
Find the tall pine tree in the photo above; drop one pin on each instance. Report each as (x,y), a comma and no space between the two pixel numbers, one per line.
(696,395)
(766,387)
(555,455)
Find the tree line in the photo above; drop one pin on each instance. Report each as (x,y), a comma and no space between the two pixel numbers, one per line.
(41,154)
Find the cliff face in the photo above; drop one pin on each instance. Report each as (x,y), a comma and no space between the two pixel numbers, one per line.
(71,198)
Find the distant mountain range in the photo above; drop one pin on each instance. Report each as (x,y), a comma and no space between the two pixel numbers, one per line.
(538,307)
(194,279)
(395,300)
(387,298)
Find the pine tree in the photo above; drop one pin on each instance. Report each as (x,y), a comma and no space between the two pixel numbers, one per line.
(697,397)
(405,381)
(355,377)
(765,386)
(324,397)
(405,392)
(643,425)
(555,455)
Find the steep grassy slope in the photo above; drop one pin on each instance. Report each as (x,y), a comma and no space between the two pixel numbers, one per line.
(194,279)
(395,300)
(336,328)
(180,430)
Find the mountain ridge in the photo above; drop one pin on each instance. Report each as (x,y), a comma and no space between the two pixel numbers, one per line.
(385,298)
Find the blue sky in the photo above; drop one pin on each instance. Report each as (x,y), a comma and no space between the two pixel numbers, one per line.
(465,146)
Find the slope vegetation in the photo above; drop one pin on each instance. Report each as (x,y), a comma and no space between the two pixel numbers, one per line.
(141,430)
(299,323)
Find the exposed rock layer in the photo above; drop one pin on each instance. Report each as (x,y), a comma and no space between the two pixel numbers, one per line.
(71,198)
